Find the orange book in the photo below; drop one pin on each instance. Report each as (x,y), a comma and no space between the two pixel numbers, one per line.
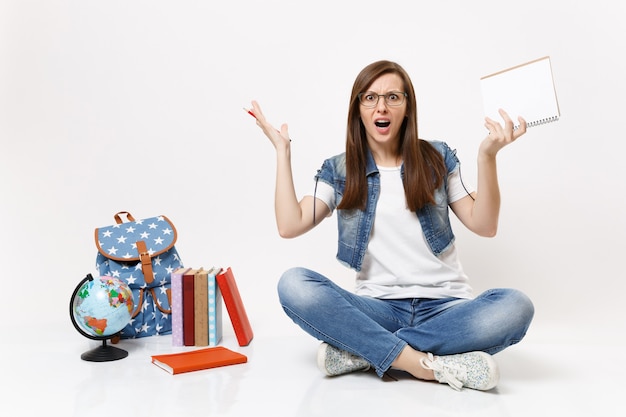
(197,360)
(234,306)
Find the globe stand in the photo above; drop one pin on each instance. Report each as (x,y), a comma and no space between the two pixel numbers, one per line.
(104,353)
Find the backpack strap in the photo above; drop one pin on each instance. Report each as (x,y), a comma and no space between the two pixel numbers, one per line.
(139,304)
(118,217)
(146,262)
(168,292)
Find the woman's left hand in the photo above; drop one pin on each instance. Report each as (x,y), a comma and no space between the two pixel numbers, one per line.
(499,136)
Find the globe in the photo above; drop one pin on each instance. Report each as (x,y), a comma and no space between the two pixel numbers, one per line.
(100,308)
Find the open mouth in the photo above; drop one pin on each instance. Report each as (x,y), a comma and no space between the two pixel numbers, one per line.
(381,123)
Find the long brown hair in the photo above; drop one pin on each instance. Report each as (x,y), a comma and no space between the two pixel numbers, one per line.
(424,168)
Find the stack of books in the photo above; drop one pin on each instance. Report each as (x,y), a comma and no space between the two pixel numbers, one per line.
(197,295)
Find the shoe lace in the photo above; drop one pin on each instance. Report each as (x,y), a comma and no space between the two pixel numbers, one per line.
(451,374)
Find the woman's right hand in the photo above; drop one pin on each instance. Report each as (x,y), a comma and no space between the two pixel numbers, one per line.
(279,138)
(293,217)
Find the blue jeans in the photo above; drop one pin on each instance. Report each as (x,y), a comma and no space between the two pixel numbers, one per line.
(377,330)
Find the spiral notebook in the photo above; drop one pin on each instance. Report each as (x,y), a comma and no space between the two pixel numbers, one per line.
(525,90)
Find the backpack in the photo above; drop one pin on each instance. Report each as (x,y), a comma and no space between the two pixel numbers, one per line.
(142,254)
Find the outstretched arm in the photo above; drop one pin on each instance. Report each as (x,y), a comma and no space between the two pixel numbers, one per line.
(481,213)
(293,217)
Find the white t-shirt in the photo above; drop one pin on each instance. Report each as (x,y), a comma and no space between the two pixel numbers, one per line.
(398,262)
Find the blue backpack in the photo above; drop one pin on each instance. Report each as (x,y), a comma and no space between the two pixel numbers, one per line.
(142,254)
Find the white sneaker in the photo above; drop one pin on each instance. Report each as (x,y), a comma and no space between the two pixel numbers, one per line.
(476,370)
(333,361)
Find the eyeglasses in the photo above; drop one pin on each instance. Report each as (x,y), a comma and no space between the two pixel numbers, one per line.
(393,98)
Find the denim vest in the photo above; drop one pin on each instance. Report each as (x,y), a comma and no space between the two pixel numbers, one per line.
(355,225)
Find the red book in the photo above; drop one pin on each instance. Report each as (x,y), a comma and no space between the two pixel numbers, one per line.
(189,307)
(234,305)
(196,360)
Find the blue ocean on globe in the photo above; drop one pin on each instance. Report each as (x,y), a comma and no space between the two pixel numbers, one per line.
(103,306)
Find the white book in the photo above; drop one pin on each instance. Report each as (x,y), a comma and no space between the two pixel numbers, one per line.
(525,90)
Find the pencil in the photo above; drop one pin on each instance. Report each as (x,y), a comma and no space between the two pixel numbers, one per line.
(249,112)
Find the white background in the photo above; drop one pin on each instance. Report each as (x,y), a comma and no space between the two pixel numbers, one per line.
(137,105)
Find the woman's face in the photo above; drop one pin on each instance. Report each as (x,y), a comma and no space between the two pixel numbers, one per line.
(383,116)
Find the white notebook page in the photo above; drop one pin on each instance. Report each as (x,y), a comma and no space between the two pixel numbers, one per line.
(525,90)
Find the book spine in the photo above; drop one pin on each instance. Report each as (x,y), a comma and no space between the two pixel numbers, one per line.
(201,309)
(177,308)
(188,310)
(215,311)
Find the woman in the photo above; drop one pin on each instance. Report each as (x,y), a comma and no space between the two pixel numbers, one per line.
(412,308)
